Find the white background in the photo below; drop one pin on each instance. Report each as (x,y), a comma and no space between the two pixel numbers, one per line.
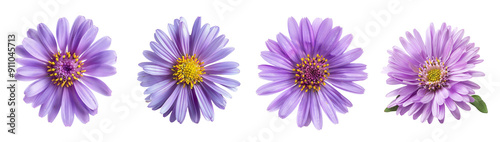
(248,24)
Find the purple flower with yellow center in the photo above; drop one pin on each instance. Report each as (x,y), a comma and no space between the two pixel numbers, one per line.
(184,74)
(436,74)
(308,68)
(65,70)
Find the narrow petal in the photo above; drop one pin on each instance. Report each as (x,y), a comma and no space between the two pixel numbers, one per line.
(346,58)
(37,87)
(62,32)
(348,86)
(205,104)
(85,95)
(98,46)
(227,82)
(276,60)
(36,49)
(104,57)
(316,112)
(219,55)
(67,114)
(274,87)
(290,104)
(96,85)
(181,105)
(100,70)
(47,38)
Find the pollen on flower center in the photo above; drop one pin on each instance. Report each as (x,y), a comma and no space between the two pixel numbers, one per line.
(433,74)
(311,73)
(65,69)
(188,70)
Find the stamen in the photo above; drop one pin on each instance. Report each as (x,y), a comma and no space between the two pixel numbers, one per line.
(433,74)
(63,68)
(311,73)
(188,70)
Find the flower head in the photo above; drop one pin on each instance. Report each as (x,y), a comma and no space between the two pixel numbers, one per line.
(183,74)
(435,73)
(308,68)
(65,69)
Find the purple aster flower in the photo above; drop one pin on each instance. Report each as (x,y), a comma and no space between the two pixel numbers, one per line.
(63,70)
(435,74)
(183,73)
(308,68)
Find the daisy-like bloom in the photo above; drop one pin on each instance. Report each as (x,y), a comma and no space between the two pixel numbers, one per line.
(308,68)
(64,71)
(435,74)
(183,74)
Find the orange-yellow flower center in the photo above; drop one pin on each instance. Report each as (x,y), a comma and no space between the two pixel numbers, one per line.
(188,70)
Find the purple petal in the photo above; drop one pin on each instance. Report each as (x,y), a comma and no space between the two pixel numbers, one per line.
(67,114)
(184,39)
(276,75)
(327,107)
(100,70)
(293,30)
(227,82)
(171,99)
(104,57)
(47,38)
(276,60)
(96,85)
(348,86)
(151,56)
(346,58)
(98,46)
(57,99)
(224,68)
(21,51)
(280,99)
(37,87)
(460,77)
(218,55)
(159,97)
(341,46)
(87,40)
(349,76)
(62,32)
(304,108)
(36,49)
(85,95)
(78,107)
(456,113)
(316,112)
(275,87)
(205,104)
(463,105)
(181,105)
(48,101)
(290,104)
(193,107)
(31,71)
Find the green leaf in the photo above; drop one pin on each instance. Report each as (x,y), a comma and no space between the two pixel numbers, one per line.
(394,108)
(479,104)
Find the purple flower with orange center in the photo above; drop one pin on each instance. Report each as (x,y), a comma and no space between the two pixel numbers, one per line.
(308,68)
(183,73)
(65,70)
(436,74)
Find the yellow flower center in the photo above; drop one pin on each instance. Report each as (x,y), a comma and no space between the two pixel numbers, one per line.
(434,75)
(188,70)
